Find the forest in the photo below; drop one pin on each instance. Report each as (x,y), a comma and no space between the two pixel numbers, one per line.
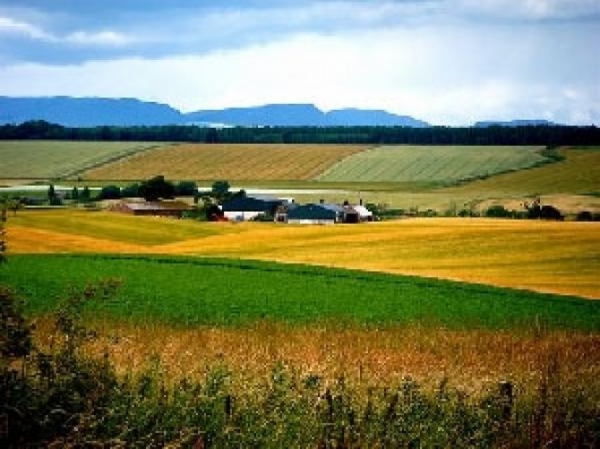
(549,135)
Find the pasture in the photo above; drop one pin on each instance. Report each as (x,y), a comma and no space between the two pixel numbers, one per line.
(45,160)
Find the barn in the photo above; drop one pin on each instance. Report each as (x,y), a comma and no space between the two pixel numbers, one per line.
(174,209)
(315,214)
(245,208)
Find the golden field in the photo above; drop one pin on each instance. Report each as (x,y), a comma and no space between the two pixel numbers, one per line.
(233,162)
(556,257)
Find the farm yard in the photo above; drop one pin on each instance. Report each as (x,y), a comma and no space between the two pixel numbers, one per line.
(265,335)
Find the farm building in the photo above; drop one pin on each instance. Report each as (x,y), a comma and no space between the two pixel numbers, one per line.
(244,208)
(324,213)
(364,214)
(316,214)
(151,208)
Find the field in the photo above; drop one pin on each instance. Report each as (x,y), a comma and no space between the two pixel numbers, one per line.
(202,162)
(550,257)
(442,164)
(44,160)
(442,332)
(224,292)
(579,173)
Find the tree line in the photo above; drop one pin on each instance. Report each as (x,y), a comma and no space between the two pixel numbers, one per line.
(549,135)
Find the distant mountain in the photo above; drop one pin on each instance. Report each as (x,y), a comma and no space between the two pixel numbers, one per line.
(514,123)
(90,111)
(362,117)
(79,112)
(302,115)
(268,115)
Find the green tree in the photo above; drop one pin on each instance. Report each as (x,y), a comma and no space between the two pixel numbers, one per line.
(220,190)
(2,234)
(110,193)
(51,193)
(85,195)
(157,188)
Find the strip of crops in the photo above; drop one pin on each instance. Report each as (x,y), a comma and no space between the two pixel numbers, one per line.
(227,292)
(578,173)
(431,163)
(53,159)
(231,162)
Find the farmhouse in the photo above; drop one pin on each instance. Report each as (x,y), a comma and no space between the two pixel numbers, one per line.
(244,208)
(151,208)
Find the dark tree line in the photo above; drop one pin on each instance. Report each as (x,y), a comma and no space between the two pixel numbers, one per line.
(549,135)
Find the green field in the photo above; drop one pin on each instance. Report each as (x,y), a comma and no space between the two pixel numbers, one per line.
(442,164)
(185,291)
(54,159)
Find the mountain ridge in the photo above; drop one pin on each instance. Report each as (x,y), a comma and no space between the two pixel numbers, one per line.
(99,111)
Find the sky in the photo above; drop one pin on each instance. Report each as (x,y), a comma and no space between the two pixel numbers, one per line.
(448,62)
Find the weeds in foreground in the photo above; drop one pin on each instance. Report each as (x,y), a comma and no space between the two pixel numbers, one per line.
(63,397)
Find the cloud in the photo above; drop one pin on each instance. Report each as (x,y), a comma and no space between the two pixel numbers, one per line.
(13,27)
(445,61)
(443,75)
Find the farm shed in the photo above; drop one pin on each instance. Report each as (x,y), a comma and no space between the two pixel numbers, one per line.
(151,208)
(244,208)
(315,214)
(364,214)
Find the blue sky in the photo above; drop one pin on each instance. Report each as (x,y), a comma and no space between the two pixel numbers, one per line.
(450,62)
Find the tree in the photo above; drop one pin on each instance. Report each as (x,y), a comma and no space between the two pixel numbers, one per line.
(110,193)
(85,195)
(51,193)
(220,190)
(157,188)
(186,188)
(2,242)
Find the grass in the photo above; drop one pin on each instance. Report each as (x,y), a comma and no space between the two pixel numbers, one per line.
(444,164)
(551,257)
(225,292)
(202,162)
(56,159)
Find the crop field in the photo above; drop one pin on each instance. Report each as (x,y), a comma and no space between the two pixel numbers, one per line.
(442,164)
(224,292)
(202,162)
(579,173)
(550,257)
(54,159)
(213,347)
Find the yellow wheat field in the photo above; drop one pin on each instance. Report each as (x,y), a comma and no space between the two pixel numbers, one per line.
(239,162)
(556,257)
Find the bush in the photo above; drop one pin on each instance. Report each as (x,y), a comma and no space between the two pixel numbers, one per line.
(498,211)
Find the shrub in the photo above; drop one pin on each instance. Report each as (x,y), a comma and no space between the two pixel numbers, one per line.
(498,211)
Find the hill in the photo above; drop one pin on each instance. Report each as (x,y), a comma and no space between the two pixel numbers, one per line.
(85,112)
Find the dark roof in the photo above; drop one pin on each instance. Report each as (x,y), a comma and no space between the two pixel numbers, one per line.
(312,212)
(250,204)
